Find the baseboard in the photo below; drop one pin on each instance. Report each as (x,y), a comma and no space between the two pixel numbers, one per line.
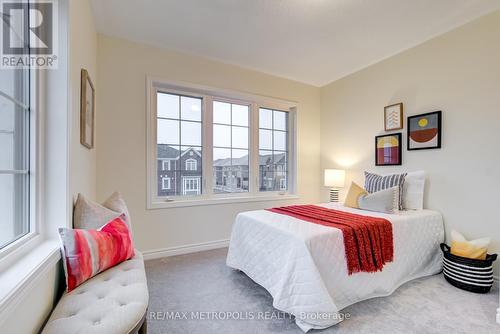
(184,249)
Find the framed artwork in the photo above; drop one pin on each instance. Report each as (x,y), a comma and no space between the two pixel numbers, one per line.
(424,131)
(388,150)
(393,117)
(87,110)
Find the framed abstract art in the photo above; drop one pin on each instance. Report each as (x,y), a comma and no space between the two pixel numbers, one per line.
(424,131)
(388,150)
(393,117)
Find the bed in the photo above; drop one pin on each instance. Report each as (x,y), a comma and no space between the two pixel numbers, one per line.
(303,265)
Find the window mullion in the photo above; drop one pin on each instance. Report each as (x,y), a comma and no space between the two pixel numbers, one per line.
(253,176)
(207,161)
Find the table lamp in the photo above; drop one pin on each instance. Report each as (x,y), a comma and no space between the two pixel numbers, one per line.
(335,179)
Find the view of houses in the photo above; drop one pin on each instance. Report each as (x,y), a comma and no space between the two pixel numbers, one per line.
(180,172)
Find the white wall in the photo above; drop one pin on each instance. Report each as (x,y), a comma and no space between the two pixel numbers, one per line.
(83,54)
(121,135)
(458,73)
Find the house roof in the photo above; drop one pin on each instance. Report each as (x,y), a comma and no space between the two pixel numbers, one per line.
(168,152)
(263,160)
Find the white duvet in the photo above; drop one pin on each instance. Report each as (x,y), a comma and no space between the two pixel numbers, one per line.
(303,265)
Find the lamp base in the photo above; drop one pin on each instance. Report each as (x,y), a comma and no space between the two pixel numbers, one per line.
(334,195)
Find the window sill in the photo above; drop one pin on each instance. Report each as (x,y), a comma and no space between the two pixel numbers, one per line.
(16,280)
(217,201)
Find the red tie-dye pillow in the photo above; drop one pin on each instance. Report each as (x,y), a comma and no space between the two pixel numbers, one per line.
(89,252)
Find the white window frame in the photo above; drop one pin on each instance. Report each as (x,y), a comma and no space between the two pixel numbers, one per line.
(166,165)
(192,163)
(208,95)
(195,181)
(163,186)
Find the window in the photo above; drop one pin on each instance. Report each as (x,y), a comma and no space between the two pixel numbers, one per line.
(230,147)
(166,165)
(191,186)
(191,164)
(217,146)
(179,132)
(165,181)
(273,150)
(15,150)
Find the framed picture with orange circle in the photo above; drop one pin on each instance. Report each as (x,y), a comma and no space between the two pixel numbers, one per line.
(424,131)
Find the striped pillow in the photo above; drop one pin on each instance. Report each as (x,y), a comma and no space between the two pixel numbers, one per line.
(89,252)
(375,182)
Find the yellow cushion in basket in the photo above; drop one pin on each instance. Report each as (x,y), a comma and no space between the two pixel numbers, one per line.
(473,249)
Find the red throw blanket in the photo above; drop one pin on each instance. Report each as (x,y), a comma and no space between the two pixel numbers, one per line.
(368,240)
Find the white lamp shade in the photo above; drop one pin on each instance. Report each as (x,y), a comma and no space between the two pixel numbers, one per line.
(335,178)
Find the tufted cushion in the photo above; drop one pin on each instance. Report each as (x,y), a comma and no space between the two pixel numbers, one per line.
(113,302)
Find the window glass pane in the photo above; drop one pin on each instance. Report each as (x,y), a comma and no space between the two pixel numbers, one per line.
(168,105)
(240,137)
(6,150)
(240,115)
(280,120)
(170,153)
(6,114)
(280,161)
(273,159)
(14,156)
(221,170)
(168,131)
(191,174)
(239,173)
(265,158)
(239,157)
(266,139)
(222,112)
(222,157)
(9,79)
(14,207)
(279,140)
(7,194)
(191,159)
(179,164)
(222,135)
(230,166)
(265,118)
(190,108)
(191,133)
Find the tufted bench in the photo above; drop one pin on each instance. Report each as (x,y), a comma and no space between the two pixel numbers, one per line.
(113,302)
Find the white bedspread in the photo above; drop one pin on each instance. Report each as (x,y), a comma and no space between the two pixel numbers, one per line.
(303,265)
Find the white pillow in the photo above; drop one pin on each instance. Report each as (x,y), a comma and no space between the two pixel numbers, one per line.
(413,191)
(89,215)
(381,201)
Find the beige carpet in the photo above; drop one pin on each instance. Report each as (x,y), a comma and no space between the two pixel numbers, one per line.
(185,289)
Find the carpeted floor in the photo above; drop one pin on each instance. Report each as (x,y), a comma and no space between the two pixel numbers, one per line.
(184,290)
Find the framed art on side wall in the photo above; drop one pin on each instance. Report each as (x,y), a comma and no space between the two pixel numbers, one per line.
(388,150)
(424,131)
(87,110)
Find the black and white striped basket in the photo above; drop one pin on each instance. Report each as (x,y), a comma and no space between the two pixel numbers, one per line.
(468,274)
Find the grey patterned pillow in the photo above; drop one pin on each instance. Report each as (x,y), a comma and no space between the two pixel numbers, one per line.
(375,182)
(381,201)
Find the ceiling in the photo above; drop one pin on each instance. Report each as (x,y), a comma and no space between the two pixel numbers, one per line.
(311,41)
